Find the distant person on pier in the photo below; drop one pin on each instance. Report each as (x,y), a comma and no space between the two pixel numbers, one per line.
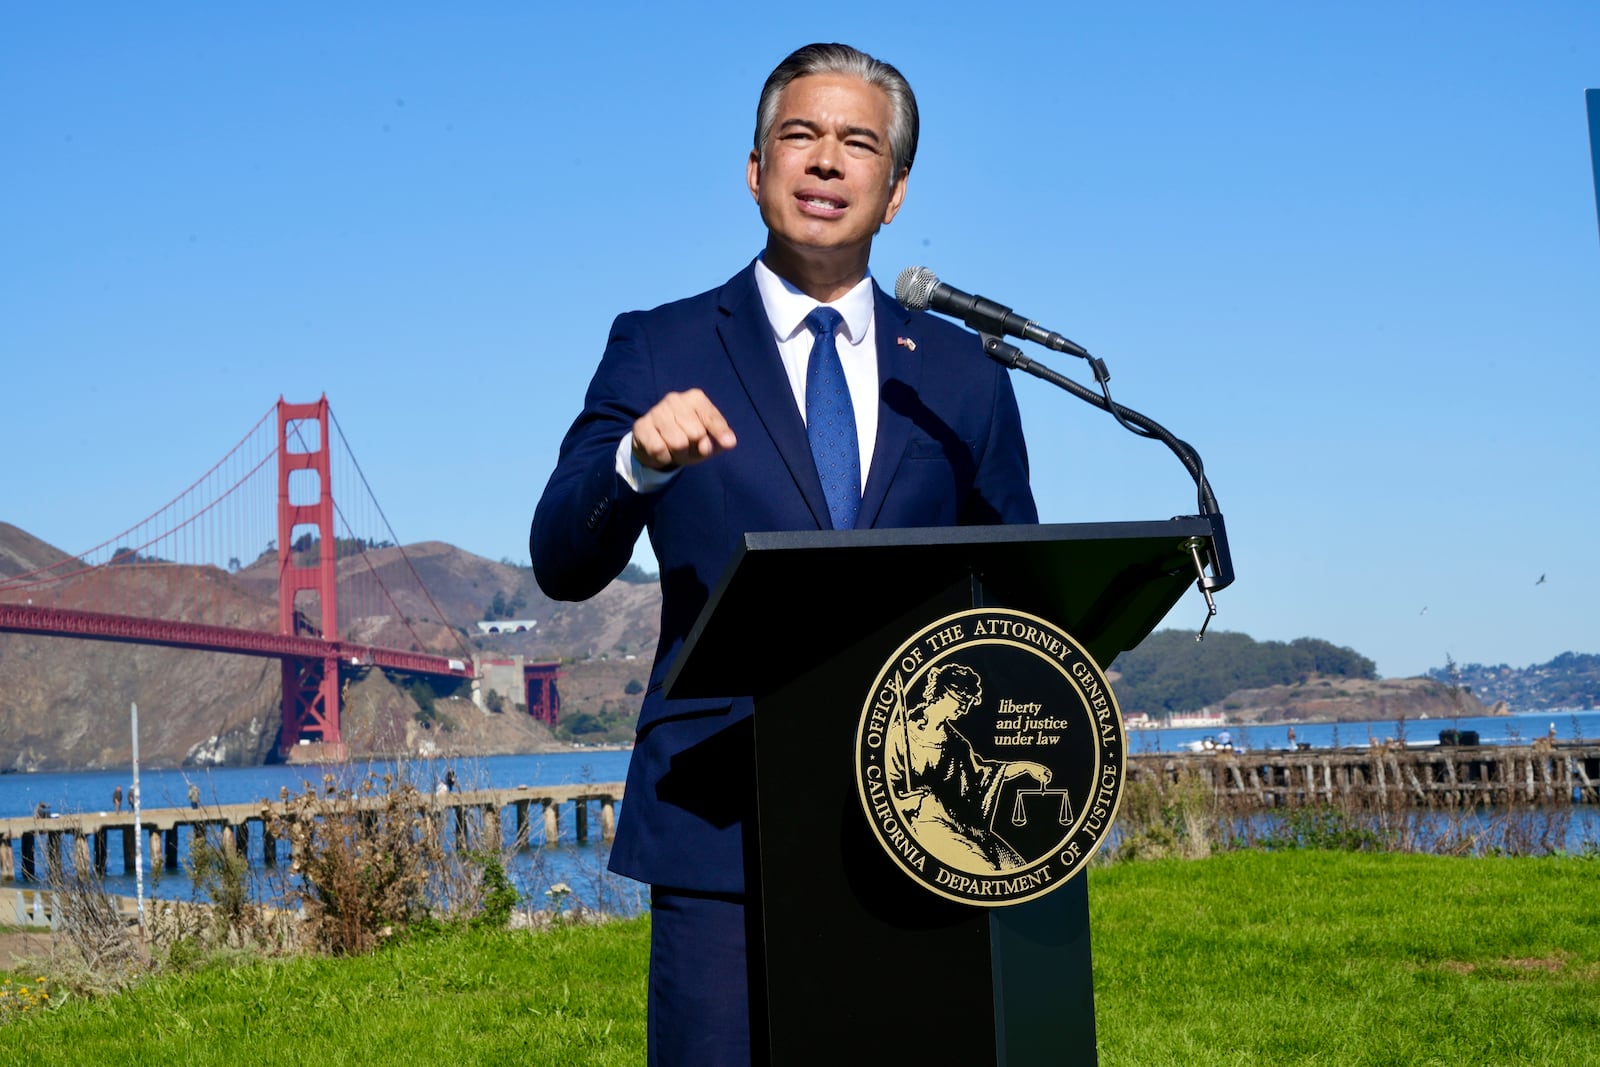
(116,798)
(42,811)
(194,795)
(795,396)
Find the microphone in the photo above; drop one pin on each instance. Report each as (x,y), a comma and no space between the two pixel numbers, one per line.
(919,289)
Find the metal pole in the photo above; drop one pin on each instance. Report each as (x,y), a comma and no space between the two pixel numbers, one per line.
(138,831)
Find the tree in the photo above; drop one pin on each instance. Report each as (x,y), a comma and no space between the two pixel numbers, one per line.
(1170,671)
(637,575)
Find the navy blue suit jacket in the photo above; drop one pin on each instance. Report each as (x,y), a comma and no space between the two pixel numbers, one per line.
(949,452)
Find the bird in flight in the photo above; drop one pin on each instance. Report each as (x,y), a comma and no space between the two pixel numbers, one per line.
(1540,581)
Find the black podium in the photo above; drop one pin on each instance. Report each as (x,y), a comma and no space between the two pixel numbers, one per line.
(857,962)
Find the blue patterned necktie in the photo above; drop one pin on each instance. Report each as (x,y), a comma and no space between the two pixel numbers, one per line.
(831,421)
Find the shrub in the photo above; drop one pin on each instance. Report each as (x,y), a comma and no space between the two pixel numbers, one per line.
(1159,820)
(363,859)
(1320,827)
(499,895)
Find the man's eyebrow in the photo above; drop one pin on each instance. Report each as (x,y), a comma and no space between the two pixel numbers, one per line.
(816,127)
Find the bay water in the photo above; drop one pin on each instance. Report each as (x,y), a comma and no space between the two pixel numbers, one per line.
(582,865)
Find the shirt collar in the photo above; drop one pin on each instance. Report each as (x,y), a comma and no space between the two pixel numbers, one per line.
(787,307)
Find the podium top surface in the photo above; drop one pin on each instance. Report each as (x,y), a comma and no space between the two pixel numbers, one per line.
(804,595)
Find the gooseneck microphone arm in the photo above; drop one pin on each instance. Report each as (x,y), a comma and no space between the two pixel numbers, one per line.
(1011,356)
(919,289)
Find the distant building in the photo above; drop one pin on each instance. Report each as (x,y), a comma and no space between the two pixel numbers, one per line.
(506,626)
(1202,718)
(520,683)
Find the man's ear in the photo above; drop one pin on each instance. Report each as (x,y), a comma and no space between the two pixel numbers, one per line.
(897,195)
(752,174)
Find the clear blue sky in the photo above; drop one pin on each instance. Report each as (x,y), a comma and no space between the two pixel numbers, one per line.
(1349,251)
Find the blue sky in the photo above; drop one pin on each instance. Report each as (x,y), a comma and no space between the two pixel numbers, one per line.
(1350,252)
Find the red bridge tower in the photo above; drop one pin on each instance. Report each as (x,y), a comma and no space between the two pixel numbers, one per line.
(305,503)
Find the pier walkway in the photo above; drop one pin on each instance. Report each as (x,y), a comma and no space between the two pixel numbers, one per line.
(88,834)
(1541,773)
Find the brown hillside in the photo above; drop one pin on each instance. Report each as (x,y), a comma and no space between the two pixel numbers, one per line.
(21,552)
(380,721)
(64,703)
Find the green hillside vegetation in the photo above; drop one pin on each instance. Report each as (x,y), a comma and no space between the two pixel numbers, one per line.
(1172,672)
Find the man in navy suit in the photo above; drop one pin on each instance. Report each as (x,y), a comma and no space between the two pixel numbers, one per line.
(694,428)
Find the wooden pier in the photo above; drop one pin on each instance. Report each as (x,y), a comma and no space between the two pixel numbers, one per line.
(1539,774)
(30,846)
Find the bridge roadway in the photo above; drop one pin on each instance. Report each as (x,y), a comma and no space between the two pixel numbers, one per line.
(98,626)
(88,832)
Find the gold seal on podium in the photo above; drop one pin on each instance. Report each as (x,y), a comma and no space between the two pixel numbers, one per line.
(990,757)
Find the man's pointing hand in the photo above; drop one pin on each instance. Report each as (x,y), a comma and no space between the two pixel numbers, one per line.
(681,430)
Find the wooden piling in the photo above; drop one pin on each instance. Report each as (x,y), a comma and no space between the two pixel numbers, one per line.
(30,867)
(155,850)
(608,818)
(521,841)
(170,853)
(580,819)
(8,860)
(129,849)
(52,849)
(552,822)
(100,850)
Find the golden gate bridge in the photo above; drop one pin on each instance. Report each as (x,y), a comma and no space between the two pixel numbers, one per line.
(192,575)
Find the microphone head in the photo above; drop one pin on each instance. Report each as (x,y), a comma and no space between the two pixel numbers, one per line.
(914,288)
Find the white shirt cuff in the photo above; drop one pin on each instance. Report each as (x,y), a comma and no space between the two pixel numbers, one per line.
(639,478)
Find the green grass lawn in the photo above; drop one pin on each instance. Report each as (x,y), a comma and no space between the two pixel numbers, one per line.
(1245,958)
(1348,958)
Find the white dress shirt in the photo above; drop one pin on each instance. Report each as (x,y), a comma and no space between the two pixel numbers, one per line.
(787,308)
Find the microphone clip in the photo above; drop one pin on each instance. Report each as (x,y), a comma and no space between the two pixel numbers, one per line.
(1003,353)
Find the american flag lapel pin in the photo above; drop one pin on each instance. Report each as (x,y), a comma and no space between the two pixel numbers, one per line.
(907,343)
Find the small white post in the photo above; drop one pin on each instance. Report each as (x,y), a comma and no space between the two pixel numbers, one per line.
(138,831)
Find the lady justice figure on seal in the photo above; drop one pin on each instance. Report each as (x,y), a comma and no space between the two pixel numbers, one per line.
(946,793)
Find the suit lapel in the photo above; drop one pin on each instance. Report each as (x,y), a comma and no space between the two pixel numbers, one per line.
(896,342)
(746,336)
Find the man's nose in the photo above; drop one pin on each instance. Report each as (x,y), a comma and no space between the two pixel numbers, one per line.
(824,158)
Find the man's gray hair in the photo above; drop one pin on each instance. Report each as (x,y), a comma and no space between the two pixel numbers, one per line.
(842,59)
